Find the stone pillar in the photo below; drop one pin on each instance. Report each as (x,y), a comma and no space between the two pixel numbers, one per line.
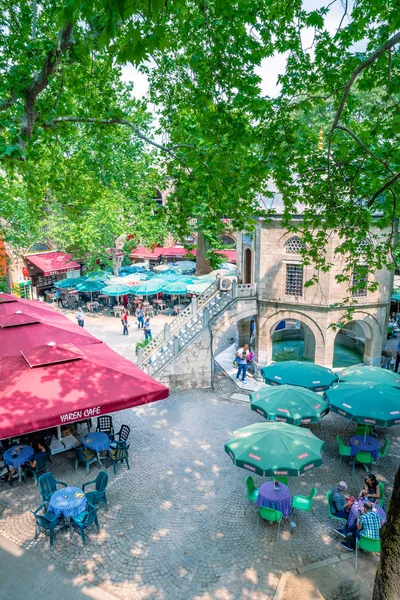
(309,344)
(263,346)
(373,351)
(243,331)
(194,304)
(166,331)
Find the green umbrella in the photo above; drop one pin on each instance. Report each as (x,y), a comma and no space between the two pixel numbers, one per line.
(178,288)
(90,286)
(117,290)
(359,374)
(396,296)
(99,276)
(289,404)
(70,282)
(274,449)
(370,403)
(148,288)
(198,288)
(308,375)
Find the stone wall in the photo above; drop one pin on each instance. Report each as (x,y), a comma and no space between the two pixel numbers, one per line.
(192,367)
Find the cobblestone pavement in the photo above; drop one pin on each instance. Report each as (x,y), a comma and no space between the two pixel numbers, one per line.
(179,525)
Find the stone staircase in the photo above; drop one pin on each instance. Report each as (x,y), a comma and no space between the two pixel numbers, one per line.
(201,313)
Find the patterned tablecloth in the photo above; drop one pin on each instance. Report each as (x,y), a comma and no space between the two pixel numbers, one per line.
(358,506)
(68,502)
(96,441)
(18,455)
(271,497)
(360,443)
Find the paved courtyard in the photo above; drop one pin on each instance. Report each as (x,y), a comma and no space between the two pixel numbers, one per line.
(179,525)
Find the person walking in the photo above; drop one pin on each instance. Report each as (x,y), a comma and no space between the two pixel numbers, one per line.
(387,356)
(147,329)
(140,318)
(241,359)
(124,321)
(80,316)
(59,299)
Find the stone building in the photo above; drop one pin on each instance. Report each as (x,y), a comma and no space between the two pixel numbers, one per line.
(287,310)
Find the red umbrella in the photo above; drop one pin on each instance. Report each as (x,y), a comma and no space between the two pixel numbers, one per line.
(27,324)
(54,384)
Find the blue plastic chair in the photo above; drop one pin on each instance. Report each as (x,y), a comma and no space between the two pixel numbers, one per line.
(120,454)
(41,467)
(46,521)
(48,485)
(99,493)
(84,456)
(84,520)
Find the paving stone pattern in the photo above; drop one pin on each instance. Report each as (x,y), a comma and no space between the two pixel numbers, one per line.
(179,525)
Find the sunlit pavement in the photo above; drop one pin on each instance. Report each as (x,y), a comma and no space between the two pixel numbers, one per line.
(179,525)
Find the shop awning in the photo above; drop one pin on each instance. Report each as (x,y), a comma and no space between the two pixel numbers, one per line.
(142,252)
(55,385)
(52,263)
(175,251)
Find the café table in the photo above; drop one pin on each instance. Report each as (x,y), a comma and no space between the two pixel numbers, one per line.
(358,505)
(97,441)
(276,497)
(69,502)
(16,456)
(361,443)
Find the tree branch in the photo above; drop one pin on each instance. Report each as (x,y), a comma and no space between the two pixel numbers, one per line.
(40,81)
(168,149)
(387,185)
(361,143)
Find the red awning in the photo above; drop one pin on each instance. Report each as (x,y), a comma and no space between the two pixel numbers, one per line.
(142,252)
(175,251)
(57,384)
(230,255)
(52,263)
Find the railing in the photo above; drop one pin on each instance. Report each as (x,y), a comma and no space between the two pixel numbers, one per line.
(186,329)
(184,315)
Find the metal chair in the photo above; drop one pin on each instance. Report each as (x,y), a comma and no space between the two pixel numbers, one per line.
(271,515)
(84,520)
(46,521)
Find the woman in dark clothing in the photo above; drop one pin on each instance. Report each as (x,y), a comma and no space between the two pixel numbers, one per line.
(371,490)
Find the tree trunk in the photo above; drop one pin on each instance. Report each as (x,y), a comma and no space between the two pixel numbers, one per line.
(387,580)
(202,264)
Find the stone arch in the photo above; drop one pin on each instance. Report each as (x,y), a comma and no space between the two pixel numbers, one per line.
(242,309)
(247,265)
(267,326)
(374,336)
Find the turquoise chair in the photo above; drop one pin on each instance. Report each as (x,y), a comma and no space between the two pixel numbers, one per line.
(330,513)
(48,485)
(84,520)
(368,545)
(252,490)
(363,458)
(85,457)
(271,515)
(47,521)
(304,502)
(99,493)
(120,454)
(343,449)
(363,430)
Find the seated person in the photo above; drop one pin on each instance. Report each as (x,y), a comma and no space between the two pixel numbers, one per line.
(338,502)
(40,451)
(368,524)
(371,490)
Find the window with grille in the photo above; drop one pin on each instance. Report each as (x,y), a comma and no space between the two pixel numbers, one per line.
(359,277)
(294,280)
(294,245)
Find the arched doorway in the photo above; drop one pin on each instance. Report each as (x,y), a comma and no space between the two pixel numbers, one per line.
(349,345)
(247,266)
(292,340)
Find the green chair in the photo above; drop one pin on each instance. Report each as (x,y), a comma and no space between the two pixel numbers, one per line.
(343,449)
(382,492)
(368,545)
(304,502)
(85,457)
(41,467)
(252,490)
(47,521)
(48,485)
(363,458)
(271,515)
(119,454)
(282,479)
(383,449)
(84,520)
(330,514)
(99,493)
(363,430)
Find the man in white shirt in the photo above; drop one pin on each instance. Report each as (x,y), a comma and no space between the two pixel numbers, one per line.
(241,359)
